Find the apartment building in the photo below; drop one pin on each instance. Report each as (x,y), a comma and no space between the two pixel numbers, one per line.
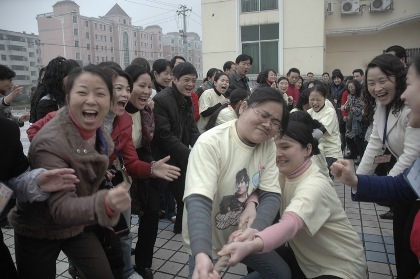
(188,47)
(21,53)
(312,35)
(111,37)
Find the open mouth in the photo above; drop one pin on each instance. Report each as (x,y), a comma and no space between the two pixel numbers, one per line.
(90,115)
(122,104)
(224,87)
(381,95)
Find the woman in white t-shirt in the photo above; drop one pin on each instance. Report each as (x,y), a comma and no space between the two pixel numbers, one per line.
(212,99)
(321,239)
(227,160)
(330,142)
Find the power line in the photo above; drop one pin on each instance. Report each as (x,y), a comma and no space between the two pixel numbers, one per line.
(154,16)
(196,14)
(147,5)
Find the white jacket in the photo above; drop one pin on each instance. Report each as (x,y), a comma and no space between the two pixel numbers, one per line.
(401,140)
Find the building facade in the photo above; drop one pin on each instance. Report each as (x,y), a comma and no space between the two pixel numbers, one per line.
(20,52)
(189,47)
(88,40)
(312,35)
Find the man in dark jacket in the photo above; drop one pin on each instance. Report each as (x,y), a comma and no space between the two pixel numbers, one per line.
(176,130)
(238,79)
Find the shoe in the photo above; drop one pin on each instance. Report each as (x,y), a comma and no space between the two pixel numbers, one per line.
(135,275)
(389,215)
(173,219)
(147,273)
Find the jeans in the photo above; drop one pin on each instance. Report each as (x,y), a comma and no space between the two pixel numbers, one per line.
(266,265)
(126,246)
(36,258)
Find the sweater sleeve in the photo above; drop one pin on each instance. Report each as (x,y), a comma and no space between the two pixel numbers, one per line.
(199,224)
(277,234)
(267,209)
(208,112)
(372,188)
(26,188)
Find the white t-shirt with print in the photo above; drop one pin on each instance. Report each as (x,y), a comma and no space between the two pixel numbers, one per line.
(327,244)
(215,161)
(208,99)
(225,115)
(330,141)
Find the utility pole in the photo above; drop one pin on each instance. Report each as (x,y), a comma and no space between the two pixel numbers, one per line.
(183,11)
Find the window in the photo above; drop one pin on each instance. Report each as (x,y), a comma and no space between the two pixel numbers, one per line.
(135,34)
(87,35)
(126,58)
(258,5)
(21,77)
(96,26)
(261,43)
(18,68)
(97,58)
(104,38)
(102,48)
(112,50)
(110,29)
(96,36)
(31,54)
(88,46)
(76,32)
(110,39)
(411,53)
(101,37)
(135,43)
(112,59)
(86,23)
(103,59)
(74,19)
(3,57)
(106,49)
(173,48)
(96,47)
(77,56)
(33,73)
(100,26)
(2,47)
(89,57)
(124,21)
(76,43)
(135,52)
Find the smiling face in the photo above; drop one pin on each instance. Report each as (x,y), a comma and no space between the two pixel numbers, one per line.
(222,84)
(164,78)
(272,77)
(142,89)
(357,76)
(381,86)
(121,95)
(411,97)
(337,81)
(325,78)
(351,88)
(290,155)
(259,123)
(89,101)
(185,84)
(283,85)
(293,77)
(316,100)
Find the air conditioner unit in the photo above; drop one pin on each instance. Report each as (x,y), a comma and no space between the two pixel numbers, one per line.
(329,7)
(349,7)
(381,6)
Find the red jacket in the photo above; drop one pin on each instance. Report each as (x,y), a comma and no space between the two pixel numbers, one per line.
(123,141)
(194,99)
(415,236)
(294,92)
(343,101)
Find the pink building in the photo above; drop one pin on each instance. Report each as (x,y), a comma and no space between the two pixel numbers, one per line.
(93,40)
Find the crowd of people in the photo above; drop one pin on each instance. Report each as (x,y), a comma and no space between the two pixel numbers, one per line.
(243,170)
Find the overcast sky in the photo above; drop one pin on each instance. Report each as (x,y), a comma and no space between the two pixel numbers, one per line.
(20,15)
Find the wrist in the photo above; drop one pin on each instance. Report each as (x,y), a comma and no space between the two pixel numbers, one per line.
(152,174)
(355,182)
(108,210)
(4,102)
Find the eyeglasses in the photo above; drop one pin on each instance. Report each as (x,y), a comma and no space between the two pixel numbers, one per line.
(264,118)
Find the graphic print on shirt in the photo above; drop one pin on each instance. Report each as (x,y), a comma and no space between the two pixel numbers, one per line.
(231,206)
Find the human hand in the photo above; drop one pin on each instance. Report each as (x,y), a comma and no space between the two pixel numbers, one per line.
(57,180)
(204,267)
(224,101)
(117,199)
(16,90)
(165,171)
(239,250)
(248,215)
(345,118)
(243,235)
(343,171)
(24,118)
(150,103)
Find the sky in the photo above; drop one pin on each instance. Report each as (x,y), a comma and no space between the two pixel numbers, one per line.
(20,15)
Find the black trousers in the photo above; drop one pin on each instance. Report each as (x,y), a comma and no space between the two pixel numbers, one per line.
(406,261)
(289,257)
(36,258)
(7,267)
(177,187)
(149,196)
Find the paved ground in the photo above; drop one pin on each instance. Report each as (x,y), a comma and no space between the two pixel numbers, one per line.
(170,261)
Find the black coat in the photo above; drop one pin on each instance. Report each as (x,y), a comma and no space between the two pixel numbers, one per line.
(175,129)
